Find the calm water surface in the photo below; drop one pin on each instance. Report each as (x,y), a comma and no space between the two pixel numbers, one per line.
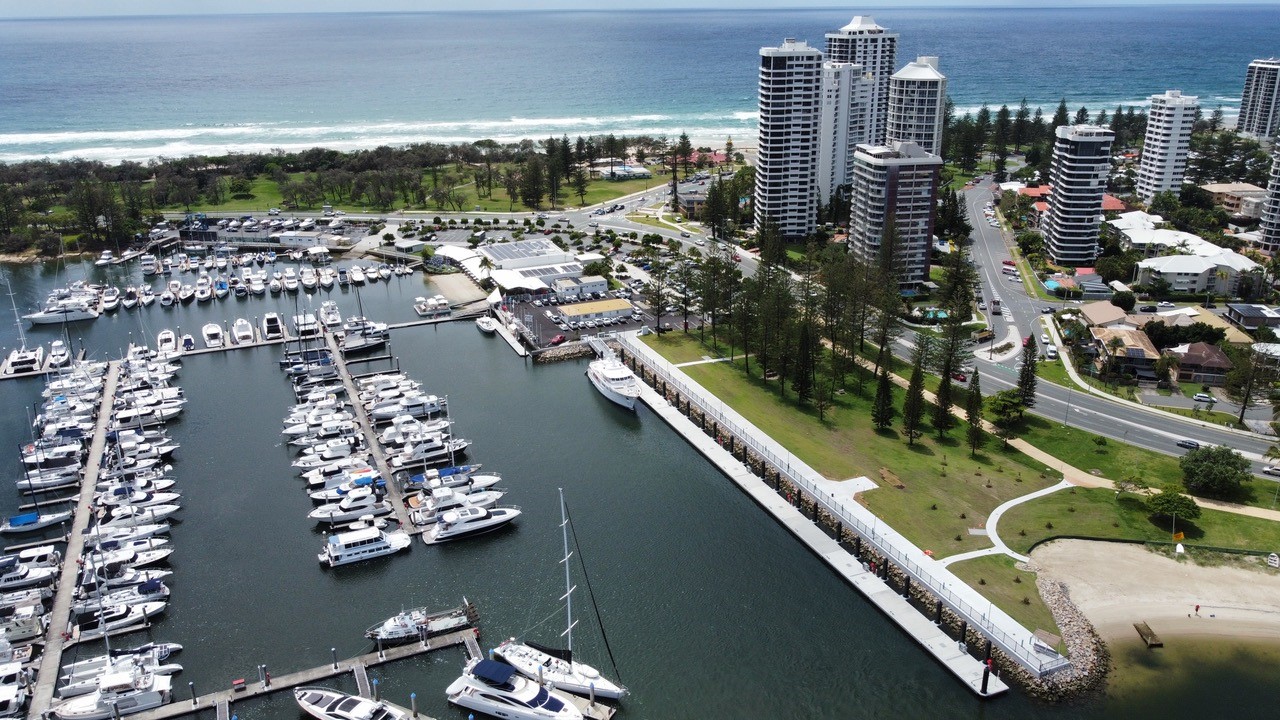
(712,609)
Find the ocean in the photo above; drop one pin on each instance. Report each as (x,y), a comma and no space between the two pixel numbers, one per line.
(140,88)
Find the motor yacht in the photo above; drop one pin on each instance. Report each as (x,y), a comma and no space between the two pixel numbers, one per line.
(242,332)
(614,380)
(212,333)
(272,327)
(362,544)
(422,623)
(495,688)
(468,522)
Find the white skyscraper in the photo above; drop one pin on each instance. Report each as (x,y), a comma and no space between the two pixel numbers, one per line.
(917,99)
(844,124)
(1260,102)
(1269,230)
(1078,180)
(865,43)
(787,165)
(1164,151)
(898,182)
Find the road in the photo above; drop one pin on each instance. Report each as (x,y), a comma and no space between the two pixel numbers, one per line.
(1120,421)
(1114,419)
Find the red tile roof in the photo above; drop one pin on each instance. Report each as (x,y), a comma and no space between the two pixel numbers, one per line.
(1110,203)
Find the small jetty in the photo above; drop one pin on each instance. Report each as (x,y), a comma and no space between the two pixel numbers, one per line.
(1148,635)
(264,683)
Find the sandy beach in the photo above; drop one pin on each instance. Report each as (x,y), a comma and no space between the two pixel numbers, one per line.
(1116,585)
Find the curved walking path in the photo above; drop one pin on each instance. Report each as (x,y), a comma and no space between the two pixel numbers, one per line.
(999,546)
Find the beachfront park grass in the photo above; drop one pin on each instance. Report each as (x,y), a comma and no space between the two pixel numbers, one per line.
(998,580)
(939,482)
(1102,513)
(1112,459)
(266,194)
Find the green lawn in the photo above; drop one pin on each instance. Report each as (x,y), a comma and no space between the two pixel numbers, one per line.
(266,194)
(994,577)
(932,474)
(1214,416)
(960,178)
(644,219)
(1055,372)
(1100,513)
(1114,459)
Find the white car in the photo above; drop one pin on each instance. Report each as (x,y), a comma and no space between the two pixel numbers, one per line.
(1044,338)
(1271,470)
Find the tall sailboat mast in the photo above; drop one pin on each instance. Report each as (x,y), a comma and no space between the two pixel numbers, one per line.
(568,587)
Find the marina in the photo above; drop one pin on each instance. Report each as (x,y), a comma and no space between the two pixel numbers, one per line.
(234,402)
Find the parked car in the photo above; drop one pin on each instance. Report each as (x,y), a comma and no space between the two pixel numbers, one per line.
(558,339)
(959,377)
(1271,470)
(1147,308)
(1204,397)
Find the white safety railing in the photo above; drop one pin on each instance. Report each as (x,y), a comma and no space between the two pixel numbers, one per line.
(990,621)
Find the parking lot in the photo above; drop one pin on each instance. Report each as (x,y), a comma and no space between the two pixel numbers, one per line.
(545,319)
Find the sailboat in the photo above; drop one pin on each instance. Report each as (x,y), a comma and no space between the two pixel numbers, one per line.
(554,666)
(363,336)
(22,359)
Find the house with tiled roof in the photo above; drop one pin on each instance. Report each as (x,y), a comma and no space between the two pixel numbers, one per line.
(1131,350)
(1201,363)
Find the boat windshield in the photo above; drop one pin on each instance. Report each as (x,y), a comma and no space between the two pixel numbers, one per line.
(546,700)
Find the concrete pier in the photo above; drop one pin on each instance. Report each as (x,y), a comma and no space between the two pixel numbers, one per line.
(957,596)
(60,615)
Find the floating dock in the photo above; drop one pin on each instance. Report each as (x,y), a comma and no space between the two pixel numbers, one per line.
(60,615)
(264,683)
(371,437)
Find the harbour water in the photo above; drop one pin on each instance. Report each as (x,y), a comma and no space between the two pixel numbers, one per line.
(139,88)
(711,609)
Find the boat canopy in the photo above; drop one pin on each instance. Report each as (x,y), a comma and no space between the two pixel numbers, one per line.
(492,671)
(24,519)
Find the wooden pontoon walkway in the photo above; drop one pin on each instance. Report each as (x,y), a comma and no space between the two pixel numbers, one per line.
(60,615)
